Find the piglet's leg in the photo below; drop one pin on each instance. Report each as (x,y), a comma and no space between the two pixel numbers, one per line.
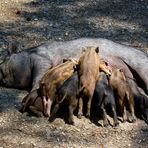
(132,113)
(44,105)
(54,111)
(80,108)
(115,116)
(47,106)
(71,116)
(88,108)
(72,107)
(105,120)
(124,115)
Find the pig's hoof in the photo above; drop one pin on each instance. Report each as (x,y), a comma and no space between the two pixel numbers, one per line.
(106,124)
(87,115)
(124,120)
(51,119)
(132,120)
(71,122)
(46,115)
(39,115)
(116,124)
(79,115)
(21,110)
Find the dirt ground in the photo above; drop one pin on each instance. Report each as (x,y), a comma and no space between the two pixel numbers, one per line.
(32,22)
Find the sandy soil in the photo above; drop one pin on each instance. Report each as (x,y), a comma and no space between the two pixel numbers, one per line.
(30,23)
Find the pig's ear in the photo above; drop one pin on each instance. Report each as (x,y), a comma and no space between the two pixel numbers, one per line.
(76,67)
(106,63)
(13,48)
(97,49)
(83,49)
(65,60)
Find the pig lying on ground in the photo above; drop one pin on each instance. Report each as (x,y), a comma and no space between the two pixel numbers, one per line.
(124,95)
(68,92)
(104,98)
(33,103)
(53,79)
(37,60)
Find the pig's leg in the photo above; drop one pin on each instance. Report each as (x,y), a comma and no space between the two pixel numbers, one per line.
(132,113)
(44,106)
(54,111)
(80,108)
(47,106)
(23,108)
(130,101)
(145,115)
(72,107)
(124,114)
(25,104)
(115,116)
(34,110)
(71,118)
(89,107)
(105,120)
(121,101)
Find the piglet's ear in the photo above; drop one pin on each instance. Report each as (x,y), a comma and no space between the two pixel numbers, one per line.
(65,60)
(105,63)
(76,67)
(97,49)
(83,49)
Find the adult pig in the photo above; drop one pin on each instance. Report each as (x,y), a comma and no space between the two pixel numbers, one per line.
(23,70)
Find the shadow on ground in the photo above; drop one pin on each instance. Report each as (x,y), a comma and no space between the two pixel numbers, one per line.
(10,99)
(42,20)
